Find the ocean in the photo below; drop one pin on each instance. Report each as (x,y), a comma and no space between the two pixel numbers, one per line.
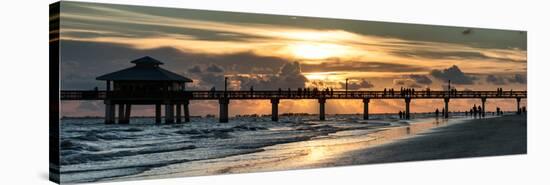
(92,151)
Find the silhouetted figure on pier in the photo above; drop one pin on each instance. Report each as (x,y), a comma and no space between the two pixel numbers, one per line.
(472,112)
(212,91)
(400,115)
(437,113)
(251,91)
(498,111)
(289,92)
(524,109)
(384,91)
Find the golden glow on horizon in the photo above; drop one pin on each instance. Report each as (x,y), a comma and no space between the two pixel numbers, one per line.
(316,50)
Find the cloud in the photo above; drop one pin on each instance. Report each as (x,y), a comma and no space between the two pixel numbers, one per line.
(194,69)
(338,65)
(454,74)
(455,55)
(363,84)
(407,82)
(213,68)
(289,76)
(521,79)
(421,79)
(497,80)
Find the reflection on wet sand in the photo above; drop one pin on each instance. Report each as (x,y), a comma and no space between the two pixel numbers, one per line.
(317,152)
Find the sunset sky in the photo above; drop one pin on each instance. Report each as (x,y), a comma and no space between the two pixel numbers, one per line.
(274,51)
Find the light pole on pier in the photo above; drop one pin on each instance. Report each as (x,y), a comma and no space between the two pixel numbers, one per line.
(347,86)
(225,87)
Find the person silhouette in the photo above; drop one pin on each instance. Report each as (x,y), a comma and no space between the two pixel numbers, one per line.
(480,111)
(437,113)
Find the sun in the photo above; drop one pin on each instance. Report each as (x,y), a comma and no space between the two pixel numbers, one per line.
(316,50)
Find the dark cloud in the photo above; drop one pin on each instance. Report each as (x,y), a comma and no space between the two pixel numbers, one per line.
(82,62)
(458,55)
(407,82)
(195,69)
(363,84)
(289,76)
(454,74)
(483,38)
(521,79)
(338,65)
(213,68)
(421,79)
(497,80)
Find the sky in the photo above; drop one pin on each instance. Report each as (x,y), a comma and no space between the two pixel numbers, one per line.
(268,52)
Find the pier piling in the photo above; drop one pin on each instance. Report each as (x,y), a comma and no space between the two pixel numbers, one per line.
(178,113)
(186,111)
(446,113)
(109,112)
(407,108)
(322,102)
(275,109)
(224,110)
(169,113)
(157,113)
(518,106)
(366,108)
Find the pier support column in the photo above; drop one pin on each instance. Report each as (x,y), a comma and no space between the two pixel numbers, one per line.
(275,109)
(109,112)
(322,102)
(407,108)
(169,113)
(224,110)
(157,113)
(186,111)
(483,100)
(366,108)
(120,113)
(518,107)
(446,113)
(126,116)
(178,112)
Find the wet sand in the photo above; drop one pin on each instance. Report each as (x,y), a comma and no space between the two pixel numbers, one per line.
(475,138)
(461,138)
(505,135)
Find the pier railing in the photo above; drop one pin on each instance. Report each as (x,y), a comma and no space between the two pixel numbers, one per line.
(284,94)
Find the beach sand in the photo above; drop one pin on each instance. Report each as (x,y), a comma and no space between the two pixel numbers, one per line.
(494,136)
(505,135)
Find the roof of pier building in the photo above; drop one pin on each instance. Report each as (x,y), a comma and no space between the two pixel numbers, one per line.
(145,69)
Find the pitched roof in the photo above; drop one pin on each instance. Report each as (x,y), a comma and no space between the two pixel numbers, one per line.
(146,69)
